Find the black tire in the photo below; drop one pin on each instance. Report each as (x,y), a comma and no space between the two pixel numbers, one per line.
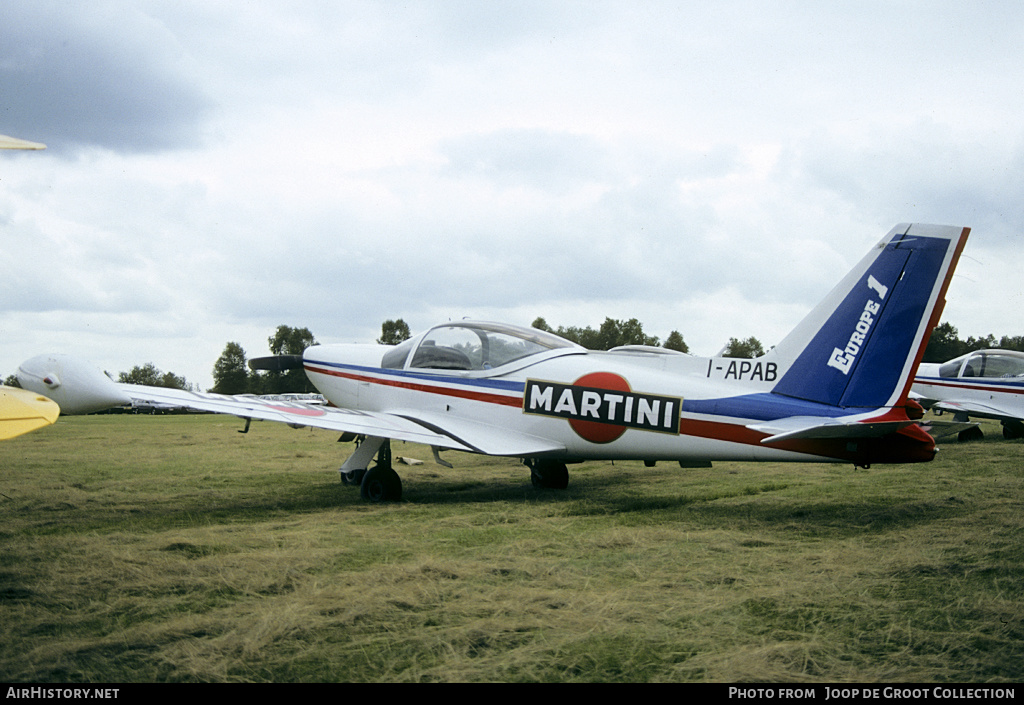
(381,485)
(1012,430)
(549,475)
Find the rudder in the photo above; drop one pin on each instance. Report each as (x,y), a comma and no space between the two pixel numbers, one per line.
(858,348)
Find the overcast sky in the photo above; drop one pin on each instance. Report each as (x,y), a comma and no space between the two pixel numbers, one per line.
(215,169)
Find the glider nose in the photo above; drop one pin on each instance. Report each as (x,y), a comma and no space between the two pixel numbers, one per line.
(77,386)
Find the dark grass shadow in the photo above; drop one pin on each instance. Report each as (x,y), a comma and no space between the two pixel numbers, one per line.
(595,490)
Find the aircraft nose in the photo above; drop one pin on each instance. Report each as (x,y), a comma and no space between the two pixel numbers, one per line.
(76,385)
(31,375)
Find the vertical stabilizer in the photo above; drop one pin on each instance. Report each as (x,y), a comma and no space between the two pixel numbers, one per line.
(860,346)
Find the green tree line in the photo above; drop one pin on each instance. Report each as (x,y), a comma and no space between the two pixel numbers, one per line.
(945,343)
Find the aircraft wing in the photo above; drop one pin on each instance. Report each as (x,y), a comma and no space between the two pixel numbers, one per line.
(296,414)
(413,426)
(486,438)
(22,411)
(973,408)
(79,388)
(818,427)
(15,143)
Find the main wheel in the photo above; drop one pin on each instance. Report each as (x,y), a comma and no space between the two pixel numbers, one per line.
(381,484)
(549,475)
(1012,430)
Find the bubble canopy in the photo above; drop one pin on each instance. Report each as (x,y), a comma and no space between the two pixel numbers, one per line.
(1003,364)
(472,346)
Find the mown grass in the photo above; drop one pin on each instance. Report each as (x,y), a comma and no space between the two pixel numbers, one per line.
(139,549)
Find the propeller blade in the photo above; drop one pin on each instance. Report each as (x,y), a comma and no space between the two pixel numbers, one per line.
(276,363)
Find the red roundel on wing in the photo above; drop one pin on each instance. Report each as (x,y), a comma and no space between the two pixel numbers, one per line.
(595,431)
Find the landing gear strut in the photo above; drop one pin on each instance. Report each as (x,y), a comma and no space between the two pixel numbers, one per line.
(377,484)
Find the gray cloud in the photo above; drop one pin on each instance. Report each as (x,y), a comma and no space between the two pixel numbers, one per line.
(105,76)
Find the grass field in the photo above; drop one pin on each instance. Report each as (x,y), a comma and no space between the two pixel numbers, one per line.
(171,548)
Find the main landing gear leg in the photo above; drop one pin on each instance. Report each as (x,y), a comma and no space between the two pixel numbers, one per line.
(377,484)
(548,474)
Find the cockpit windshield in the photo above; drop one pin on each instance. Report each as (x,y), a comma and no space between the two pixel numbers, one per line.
(986,363)
(467,345)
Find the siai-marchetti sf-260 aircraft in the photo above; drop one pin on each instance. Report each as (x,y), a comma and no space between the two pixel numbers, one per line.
(835,389)
(987,384)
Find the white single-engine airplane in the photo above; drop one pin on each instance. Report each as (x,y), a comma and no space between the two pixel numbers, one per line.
(987,384)
(834,390)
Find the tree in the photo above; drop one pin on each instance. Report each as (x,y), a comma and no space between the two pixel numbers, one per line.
(173,381)
(230,375)
(540,324)
(675,341)
(1015,342)
(612,333)
(290,341)
(12,381)
(751,347)
(146,374)
(287,341)
(394,332)
(989,341)
(944,344)
(150,376)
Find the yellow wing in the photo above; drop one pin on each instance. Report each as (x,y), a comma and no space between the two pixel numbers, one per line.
(22,411)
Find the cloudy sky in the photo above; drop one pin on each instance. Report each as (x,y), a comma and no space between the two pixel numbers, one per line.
(215,169)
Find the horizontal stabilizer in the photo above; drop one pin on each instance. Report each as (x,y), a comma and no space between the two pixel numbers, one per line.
(816,427)
(942,429)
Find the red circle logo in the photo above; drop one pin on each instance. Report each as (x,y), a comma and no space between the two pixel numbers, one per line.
(599,431)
